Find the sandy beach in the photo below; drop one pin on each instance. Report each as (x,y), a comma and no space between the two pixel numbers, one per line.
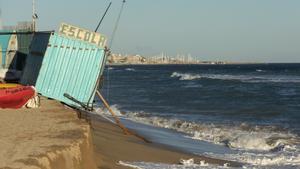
(112,146)
(51,136)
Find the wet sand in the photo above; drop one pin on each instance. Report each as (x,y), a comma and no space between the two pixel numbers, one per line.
(112,146)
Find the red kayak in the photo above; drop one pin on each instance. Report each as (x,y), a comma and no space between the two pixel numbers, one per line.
(16,97)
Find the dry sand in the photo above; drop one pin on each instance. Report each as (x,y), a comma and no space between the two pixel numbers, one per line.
(48,137)
(112,146)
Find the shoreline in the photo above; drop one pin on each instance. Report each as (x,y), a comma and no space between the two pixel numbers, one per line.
(56,136)
(112,146)
(163,64)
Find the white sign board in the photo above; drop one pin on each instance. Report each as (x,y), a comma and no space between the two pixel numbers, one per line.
(82,34)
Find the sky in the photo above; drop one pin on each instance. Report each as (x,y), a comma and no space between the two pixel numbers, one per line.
(224,30)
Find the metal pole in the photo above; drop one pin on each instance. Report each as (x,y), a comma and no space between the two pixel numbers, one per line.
(33,16)
(106,52)
(103,17)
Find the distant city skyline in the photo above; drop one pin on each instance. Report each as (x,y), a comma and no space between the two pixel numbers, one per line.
(231,30)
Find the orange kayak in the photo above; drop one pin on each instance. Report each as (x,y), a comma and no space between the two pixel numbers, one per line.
(16,97)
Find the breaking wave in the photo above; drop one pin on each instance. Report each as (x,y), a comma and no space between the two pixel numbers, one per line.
(271,160)
(184,164)
(242,78)
(260,70)
(255,78)
(130,69)
(185,76)
(242,136)
(258,162)
(258,145)
(114,108)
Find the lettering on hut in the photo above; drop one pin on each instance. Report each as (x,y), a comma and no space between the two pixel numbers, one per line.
(82,34)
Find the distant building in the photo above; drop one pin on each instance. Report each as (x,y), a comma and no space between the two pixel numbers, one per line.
(21,26)
(127,59)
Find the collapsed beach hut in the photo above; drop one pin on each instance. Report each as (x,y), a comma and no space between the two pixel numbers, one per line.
(66,66)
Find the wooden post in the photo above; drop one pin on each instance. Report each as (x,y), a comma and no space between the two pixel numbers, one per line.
(125,130)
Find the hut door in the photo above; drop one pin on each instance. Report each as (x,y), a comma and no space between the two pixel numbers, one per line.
(11,52)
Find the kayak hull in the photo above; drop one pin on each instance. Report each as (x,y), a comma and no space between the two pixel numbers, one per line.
(15,98)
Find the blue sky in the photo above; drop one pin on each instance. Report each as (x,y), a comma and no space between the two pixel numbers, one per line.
(229,30)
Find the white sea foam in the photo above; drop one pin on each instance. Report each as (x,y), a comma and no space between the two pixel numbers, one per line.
(127,164)
(237,137)
(130,69)
(270,160)
(255,78)
(104,111)
(185,76)
(187,164)
(242,78)
(149,165)
(259,70)
(258,145)
(243,136)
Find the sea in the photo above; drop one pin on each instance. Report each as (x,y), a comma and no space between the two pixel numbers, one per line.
(249,113)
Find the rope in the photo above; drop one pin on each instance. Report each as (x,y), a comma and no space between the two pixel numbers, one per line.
(106,54)
(110,46)
(116,25)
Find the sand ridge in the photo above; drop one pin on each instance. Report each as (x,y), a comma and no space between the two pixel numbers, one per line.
(47,137)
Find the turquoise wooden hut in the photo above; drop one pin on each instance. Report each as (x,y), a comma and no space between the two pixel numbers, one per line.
(58,65)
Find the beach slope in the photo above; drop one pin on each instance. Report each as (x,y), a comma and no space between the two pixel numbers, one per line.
(112,146)
(51,136)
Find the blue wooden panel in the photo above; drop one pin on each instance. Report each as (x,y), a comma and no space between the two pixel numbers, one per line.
(35,57)
(4,40)
(70,66)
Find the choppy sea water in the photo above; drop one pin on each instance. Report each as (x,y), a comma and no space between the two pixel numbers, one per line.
(244,113)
